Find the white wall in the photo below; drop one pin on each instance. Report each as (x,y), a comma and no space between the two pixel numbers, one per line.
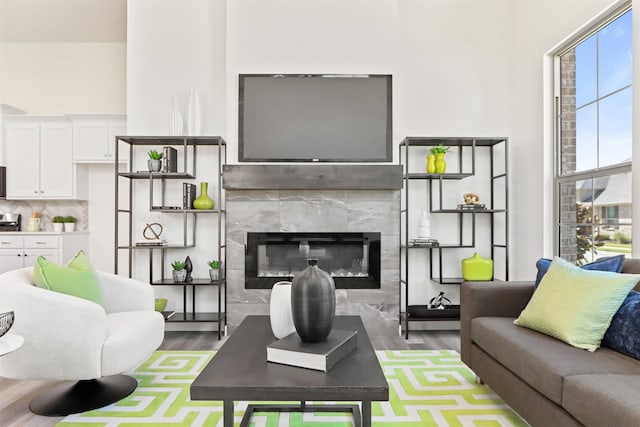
(174,46)
(461,68)
(537,26)
(63,78)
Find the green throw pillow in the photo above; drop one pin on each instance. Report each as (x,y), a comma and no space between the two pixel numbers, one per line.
(78,278)
(575,305)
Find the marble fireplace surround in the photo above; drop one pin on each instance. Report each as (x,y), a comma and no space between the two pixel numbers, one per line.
(335,207)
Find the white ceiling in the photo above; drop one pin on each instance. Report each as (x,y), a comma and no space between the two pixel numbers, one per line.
(63,20)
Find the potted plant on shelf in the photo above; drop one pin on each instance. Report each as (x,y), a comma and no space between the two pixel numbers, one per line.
(438,163)
(155,161)
(179,271)
(58,223)
(70,223)
(214,270)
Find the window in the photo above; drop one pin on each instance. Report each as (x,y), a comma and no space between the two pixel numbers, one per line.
(594,143)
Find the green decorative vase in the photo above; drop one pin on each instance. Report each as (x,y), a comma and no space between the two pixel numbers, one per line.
(440,164)
(203,201)
(477,268)
(431,163)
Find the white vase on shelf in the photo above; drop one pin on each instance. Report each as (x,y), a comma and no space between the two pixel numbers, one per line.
(175,119)
(194,115)
(424,226)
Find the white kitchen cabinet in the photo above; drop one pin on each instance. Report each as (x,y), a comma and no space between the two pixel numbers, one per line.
(18,250)
(94,138)
(39,159)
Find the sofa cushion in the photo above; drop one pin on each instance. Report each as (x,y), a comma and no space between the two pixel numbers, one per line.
(623,334)
(613,264)
(603,400)
(576,305)
(540,360)
(76,279)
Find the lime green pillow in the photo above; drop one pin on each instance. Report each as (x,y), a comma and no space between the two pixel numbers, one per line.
(78,278)
(575,305)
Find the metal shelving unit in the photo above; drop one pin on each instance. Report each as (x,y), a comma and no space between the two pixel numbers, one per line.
(189,146)
(498,182)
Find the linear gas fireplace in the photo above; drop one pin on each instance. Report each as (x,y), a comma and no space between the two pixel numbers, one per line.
(352,259)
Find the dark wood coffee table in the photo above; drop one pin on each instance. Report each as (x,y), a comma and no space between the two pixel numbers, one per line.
(240,371)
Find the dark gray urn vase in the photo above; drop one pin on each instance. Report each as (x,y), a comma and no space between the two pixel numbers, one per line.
(313,303)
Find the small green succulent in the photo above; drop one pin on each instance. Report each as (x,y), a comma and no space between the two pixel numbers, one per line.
(155,155)
(214,264)
(178,265)
(439,149)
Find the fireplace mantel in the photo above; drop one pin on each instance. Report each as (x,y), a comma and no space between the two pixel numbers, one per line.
(312,177)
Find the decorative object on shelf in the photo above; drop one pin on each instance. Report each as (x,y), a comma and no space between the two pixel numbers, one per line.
(70,223)
(188,195)
(214,269)
(6,321)
(203,201)
(280,310)
(58,223)
(425,242)
(152,231)
(175,119)
(477,268)
(313,303)
(155,161)
(33,223)
(194,116)
(431,163)
(161,304)
(170,162)
(179,272)
(439,163)
(440,302)
(424,226)
(471,198)
(188,266)
(478,207)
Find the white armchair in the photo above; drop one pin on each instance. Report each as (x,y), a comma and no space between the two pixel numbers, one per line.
(70,338)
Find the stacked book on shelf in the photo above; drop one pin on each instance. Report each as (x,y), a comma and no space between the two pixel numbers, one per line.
(152,243)
(321,356)
(188,195)
(424,241)
(478,206)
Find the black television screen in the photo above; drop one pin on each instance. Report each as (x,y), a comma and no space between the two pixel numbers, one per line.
(315,118)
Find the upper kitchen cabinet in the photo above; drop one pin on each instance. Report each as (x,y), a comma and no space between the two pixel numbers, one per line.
(94,138)
(39,159)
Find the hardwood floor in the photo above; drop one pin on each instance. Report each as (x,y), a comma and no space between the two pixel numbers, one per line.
(16,395)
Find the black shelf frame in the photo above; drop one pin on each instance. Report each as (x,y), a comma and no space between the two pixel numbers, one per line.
(189,146)
(465,170)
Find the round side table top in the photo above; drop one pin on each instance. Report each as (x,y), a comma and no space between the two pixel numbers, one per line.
(9,343)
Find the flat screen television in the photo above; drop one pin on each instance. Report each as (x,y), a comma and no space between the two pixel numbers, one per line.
(315,118)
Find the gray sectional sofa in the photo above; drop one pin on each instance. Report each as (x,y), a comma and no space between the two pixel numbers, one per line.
(548,382)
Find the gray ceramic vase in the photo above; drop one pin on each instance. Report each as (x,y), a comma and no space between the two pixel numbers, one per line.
(313,303)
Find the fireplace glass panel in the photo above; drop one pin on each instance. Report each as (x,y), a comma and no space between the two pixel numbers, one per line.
(352,259)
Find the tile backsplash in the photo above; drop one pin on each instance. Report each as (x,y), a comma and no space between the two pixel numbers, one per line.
(48,209)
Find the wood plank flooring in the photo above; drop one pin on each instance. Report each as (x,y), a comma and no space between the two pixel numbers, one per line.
(16,395)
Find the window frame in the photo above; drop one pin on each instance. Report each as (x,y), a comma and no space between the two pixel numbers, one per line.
(560,179)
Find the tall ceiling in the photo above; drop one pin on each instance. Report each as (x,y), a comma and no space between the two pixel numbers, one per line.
(63,20)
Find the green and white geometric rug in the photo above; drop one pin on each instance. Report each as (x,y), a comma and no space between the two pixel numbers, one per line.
(426,388)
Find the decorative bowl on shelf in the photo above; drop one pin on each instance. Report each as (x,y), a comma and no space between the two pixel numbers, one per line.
(6,321)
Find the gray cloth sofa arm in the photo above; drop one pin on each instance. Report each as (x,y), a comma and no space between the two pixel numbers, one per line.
(496,299)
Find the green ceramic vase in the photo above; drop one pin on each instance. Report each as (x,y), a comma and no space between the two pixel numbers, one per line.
(431,163)
(477,268)
(440,163)
(203,201)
